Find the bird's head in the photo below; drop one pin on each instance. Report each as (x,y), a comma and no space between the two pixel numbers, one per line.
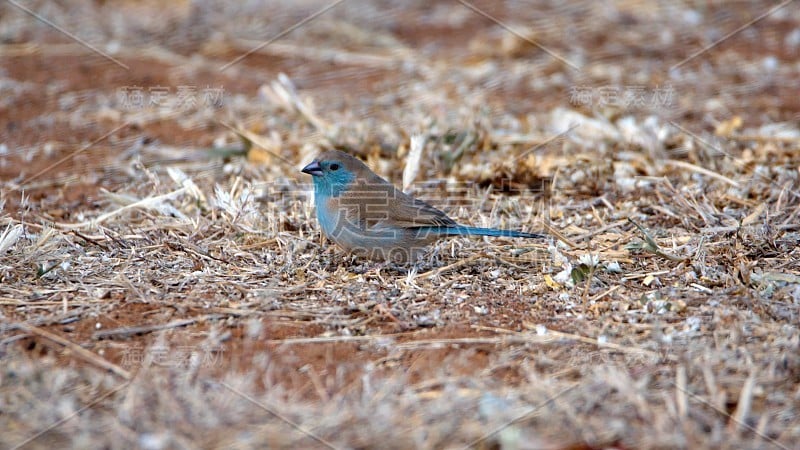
(333,171)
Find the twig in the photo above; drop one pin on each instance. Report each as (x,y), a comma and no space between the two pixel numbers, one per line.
(701,170)
(316,54)
(90,240)
(447,268)
(125,332)
(76,349)
(743,405)
(761,139)
(143,203)
(600,230)
(603,294)
(560,236)
(650,245)
(329,339)
(611,345)
(191,249)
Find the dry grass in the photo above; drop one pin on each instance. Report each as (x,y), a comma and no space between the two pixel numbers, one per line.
(163,283)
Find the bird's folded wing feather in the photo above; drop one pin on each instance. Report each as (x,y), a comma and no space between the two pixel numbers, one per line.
(410,213)
(385,206)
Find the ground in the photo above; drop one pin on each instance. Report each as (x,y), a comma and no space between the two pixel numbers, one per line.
(164,283)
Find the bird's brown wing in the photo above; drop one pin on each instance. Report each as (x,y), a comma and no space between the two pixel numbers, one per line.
(410,212)
(382,205)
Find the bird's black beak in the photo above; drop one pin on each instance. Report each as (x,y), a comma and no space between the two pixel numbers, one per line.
(313,169)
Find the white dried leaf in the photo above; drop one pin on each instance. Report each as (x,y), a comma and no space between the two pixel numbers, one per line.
(589,260)
(413,160)
(565,276)
(583,128)
(184,181)
(10,236)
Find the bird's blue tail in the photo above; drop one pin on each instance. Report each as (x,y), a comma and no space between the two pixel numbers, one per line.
(476,231)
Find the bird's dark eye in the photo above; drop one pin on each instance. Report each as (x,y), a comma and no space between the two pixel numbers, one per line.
(334,167)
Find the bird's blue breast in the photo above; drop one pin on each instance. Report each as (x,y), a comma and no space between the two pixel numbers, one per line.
(327,216)
(326,188)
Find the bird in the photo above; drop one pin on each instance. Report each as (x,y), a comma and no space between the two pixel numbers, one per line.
(368,216)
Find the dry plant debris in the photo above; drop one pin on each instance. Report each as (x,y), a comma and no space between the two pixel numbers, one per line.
(163,283)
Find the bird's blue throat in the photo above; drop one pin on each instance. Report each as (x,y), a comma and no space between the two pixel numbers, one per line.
(332,184)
